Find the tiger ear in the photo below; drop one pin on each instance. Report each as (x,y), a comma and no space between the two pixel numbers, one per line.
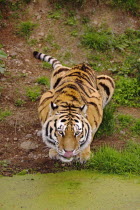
(84,108)
(53,106)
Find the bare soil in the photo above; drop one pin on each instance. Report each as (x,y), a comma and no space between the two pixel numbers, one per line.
(22,70)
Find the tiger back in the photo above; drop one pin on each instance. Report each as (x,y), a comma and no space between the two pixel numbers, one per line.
(72,110)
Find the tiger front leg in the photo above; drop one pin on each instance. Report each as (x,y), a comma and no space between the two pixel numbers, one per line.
(53,154)
(85,155)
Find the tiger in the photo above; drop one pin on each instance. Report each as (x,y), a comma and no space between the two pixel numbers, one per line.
(71,111)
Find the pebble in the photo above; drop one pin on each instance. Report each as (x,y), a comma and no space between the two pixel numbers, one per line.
(41,34)
(27,61)
(28,145)
(28,136)
(15,139)
(38,17)
(3,79)
(122,132)
(13,54)
(95,22)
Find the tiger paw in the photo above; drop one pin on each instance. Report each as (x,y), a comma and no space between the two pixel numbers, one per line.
(85,155)
(53,154)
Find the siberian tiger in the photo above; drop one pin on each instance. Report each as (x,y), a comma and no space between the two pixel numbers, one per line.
(72,110)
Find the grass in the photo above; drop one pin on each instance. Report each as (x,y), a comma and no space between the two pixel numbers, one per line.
(19,102)
(4,114)
(129,5)
(102,39)
(127,92)
(108,124)
(3,55)
(129,125)
(120,55)
(43,81)
(46,65)
(33,42)
(97,39)
(109,160)
(51,44)
(125,120)
(136,128)
(55,15)
(33,93)
(71,21)
(67,56)
(74,33)
(23,172)
(25,29)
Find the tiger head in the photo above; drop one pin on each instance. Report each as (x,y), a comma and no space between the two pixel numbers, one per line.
(67,133)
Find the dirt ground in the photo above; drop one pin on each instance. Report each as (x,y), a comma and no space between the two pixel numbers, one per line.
(20,145)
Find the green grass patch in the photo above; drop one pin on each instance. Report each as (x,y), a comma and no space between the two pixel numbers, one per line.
(136,127)
(109,160)
(55,15)
(127,92)
(33,42)
(107,126)
(74,33)
(4,114)
(43,81)
(125,120)
(19,102)
(71,21)
(97,39)
(33,93)
(46,65)
(23,172)
(117,53)
(25,29)
(3,55)
(128,5)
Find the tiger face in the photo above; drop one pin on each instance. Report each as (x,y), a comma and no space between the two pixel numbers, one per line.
(67,134)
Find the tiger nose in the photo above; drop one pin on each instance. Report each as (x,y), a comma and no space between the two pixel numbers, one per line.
(68,150)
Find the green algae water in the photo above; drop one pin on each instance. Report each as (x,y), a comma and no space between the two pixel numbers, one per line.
(72,190)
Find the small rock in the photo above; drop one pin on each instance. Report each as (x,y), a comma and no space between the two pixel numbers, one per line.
(3,79)
(13,54)
(28,136)
(15,139)
(95,22)
(24,71)
(41,34)
(28,145)
(26,60)
(38,17)
(122,132)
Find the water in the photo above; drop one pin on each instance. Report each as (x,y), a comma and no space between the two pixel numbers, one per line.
(72,190)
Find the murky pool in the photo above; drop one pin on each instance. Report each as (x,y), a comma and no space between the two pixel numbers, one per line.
(72,190)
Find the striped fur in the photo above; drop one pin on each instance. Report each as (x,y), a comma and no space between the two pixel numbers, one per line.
(72,110)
